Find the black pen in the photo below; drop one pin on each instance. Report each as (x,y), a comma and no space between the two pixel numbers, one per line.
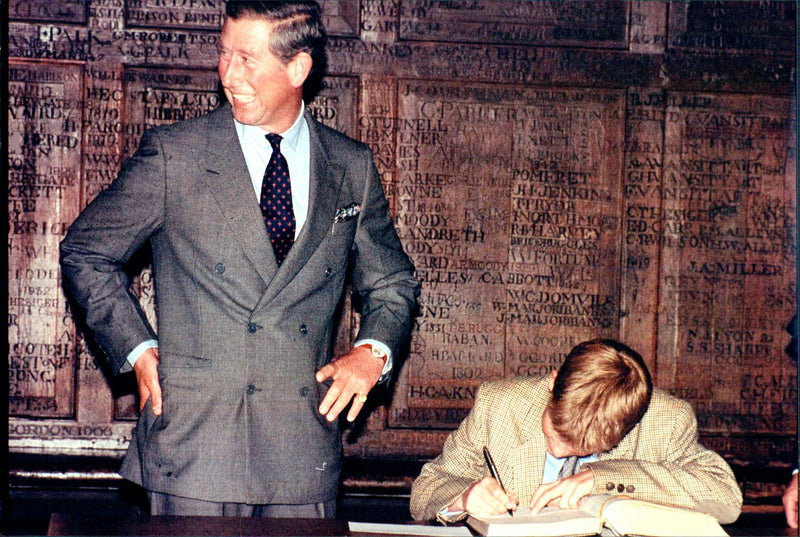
(493,471)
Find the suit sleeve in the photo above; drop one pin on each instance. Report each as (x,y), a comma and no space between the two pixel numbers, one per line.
(383,275)
(689,475)
(460,464)
(102,240)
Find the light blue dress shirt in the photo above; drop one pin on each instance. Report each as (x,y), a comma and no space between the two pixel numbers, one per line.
(295,147)
(552,465)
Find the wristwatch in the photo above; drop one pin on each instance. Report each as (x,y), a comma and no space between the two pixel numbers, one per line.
(378,352)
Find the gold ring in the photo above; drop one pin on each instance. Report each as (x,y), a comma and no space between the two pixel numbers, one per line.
(362,398)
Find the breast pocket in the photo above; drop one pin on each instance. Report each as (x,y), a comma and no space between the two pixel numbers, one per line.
(345,228)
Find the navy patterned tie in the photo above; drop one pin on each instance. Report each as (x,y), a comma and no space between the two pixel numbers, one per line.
(276,201)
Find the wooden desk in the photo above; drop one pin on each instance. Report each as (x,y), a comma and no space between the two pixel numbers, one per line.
(182,526)
(177,526)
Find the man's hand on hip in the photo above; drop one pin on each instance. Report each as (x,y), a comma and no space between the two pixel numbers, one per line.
(354,375)
(146,369)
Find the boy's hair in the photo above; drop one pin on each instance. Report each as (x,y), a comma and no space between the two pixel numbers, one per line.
(298,28)
(600,393)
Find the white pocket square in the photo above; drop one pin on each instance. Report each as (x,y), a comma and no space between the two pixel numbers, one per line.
(346,213)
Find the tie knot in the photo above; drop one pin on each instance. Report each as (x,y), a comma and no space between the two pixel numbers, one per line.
(274,141)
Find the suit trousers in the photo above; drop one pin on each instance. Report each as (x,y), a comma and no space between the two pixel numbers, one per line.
(168,505)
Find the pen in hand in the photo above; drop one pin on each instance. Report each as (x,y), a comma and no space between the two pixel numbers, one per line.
(493,471)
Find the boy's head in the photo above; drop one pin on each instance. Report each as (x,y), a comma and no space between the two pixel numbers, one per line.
(598,394)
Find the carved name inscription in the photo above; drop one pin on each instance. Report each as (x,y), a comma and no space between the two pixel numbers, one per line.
(769,26)
(44,154)
(45,10)
(201,14)
(507,203)
(161,96)
(642,213)
(339,16)
(337,104)
(594,24)
(729,255)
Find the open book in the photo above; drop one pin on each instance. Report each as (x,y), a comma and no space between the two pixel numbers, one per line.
(601,514)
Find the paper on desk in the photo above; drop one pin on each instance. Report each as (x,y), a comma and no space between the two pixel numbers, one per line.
(379,528)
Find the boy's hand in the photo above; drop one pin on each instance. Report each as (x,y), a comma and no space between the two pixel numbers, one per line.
(485,497)
(565,493)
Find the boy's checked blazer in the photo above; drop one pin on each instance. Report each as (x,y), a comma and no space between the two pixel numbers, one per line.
(658,460)
(240,338)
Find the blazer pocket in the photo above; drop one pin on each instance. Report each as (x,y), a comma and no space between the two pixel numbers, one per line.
(170,360)
(151,424)
(344,228)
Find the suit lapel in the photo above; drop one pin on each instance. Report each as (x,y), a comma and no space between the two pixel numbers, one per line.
(529,456)
(326,177)
(228,179)
(527,459)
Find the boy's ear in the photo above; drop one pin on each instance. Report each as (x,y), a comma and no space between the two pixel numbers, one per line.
(553,375)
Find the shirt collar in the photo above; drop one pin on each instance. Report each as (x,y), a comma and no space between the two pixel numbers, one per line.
(592,457)
(291,136)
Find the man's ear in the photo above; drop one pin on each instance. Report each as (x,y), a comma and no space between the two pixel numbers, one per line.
(553,375)
(299,68)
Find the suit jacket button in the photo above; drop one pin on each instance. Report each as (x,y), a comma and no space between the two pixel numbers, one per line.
(620,488)
(252,327)
(251,390)
(303,329)
(630,488)
(328,272)
(609,486)
(303,391)
(219,268)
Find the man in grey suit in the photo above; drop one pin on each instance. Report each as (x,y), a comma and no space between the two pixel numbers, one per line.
(239,397)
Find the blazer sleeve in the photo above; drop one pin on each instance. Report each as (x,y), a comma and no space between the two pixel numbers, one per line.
(460,464)
(102,240)
(383,275)
(684,473)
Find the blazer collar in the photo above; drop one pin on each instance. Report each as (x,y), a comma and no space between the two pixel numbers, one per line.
(533,445)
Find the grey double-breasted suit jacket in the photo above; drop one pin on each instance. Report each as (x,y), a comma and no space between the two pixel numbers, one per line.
(240,338)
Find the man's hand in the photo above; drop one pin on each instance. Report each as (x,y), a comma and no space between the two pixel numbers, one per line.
(146,369)
(564,493)
(790,502)
(354,375)
(485,497)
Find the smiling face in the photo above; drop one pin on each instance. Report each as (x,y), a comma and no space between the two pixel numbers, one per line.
(262,90)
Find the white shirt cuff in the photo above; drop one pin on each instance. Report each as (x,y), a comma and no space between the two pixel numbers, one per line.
(139,350)
(449,517)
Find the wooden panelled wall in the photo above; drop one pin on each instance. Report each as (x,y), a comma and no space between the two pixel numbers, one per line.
(557,171)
